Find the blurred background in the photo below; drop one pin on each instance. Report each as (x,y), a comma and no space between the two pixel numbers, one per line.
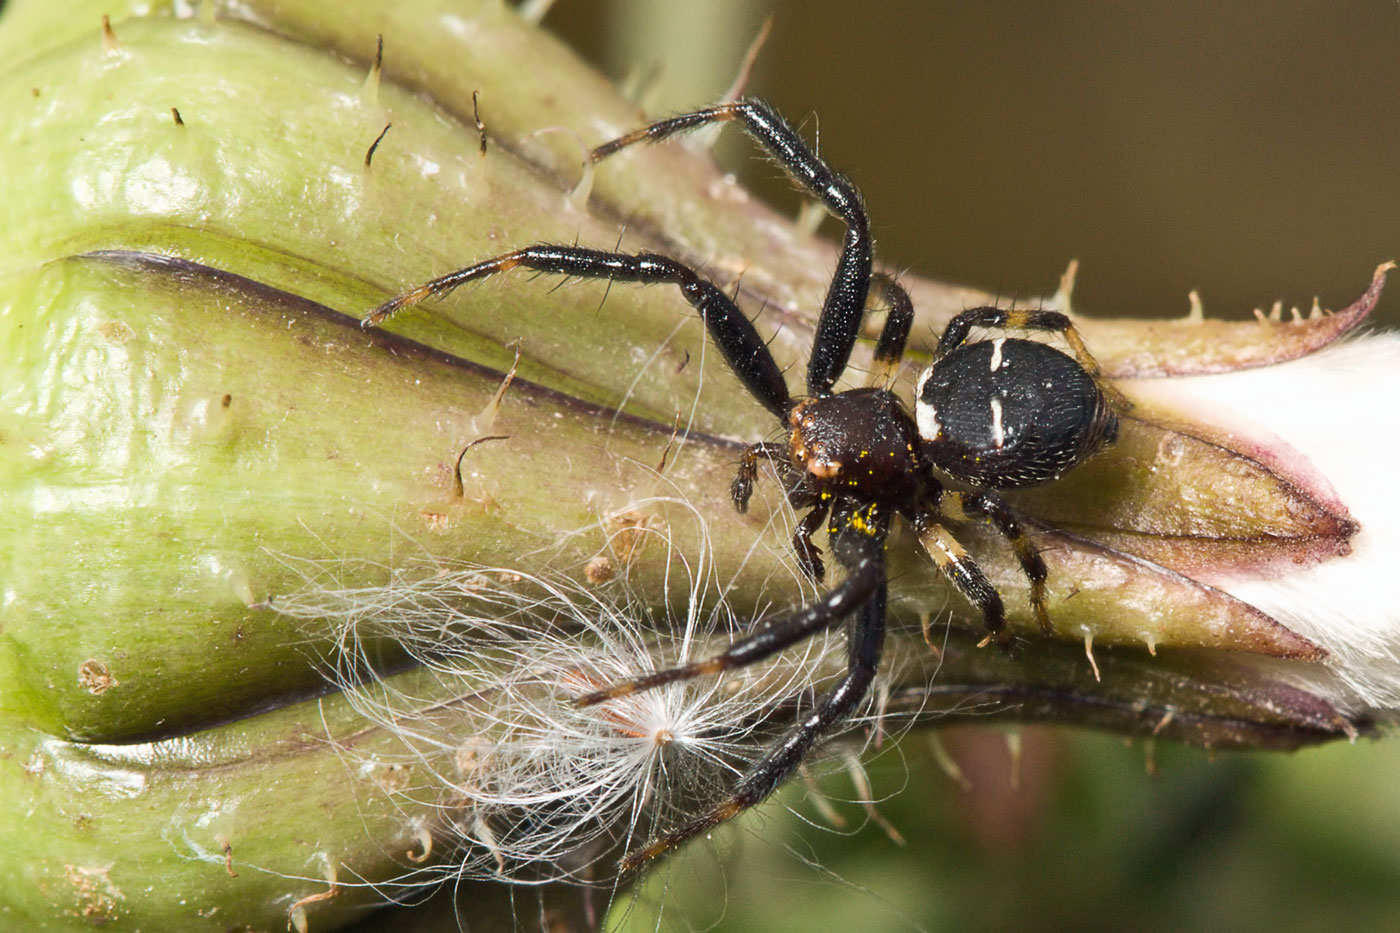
(1250,150)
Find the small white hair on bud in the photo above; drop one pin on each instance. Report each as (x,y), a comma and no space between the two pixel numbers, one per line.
(1337,408)
(525,785)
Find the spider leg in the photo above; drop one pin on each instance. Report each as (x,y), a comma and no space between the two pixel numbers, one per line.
(895,334)
(808,554)
(866,572)
(993,508)
(743,349)
(952,559)
(1015,319)
(845,298)
(799,497)
(865,637)
(742,487)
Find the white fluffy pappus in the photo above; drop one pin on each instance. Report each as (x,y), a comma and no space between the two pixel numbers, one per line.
(1336,408)
(518,782)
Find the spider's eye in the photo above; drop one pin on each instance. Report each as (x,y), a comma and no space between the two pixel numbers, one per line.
(1005,413)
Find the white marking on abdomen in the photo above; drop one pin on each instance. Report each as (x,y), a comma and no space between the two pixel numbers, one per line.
(996,353)
(998,431)
(926,417)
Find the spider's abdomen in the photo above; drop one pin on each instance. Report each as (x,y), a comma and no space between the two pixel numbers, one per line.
(1006,413)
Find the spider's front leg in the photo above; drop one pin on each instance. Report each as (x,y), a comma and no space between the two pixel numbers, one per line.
(865,564)
(859,545)
(808,554)
(743,349)
(741,490)
(844,306)
(866,636)
(799,496)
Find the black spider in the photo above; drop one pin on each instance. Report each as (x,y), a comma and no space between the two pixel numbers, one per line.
(990,414)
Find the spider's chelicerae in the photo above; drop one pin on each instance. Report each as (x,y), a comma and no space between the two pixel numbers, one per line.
(989,415)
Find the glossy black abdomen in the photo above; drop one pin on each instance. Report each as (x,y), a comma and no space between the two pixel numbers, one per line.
(1006,413)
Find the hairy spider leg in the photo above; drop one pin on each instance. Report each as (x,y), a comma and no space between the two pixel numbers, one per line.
(743,349)
(864,563)
(899,319)
(844,306)
(799,496)
(992,508)
(952,560)
(742,488)
(860,548)
(808,554)
(865,641)
(1015,319)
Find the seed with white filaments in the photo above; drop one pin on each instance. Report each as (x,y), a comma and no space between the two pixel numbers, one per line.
(526,784)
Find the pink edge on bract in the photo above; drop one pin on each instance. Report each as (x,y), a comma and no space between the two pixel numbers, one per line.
(1129,348)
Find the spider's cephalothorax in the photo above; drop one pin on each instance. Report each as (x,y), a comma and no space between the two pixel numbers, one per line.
(990,414)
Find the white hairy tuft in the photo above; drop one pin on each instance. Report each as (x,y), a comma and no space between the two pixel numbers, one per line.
(521,783)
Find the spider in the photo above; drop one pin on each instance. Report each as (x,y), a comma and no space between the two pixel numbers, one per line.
(988,415)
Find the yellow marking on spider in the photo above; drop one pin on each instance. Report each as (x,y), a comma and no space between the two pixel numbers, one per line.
(861,521)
